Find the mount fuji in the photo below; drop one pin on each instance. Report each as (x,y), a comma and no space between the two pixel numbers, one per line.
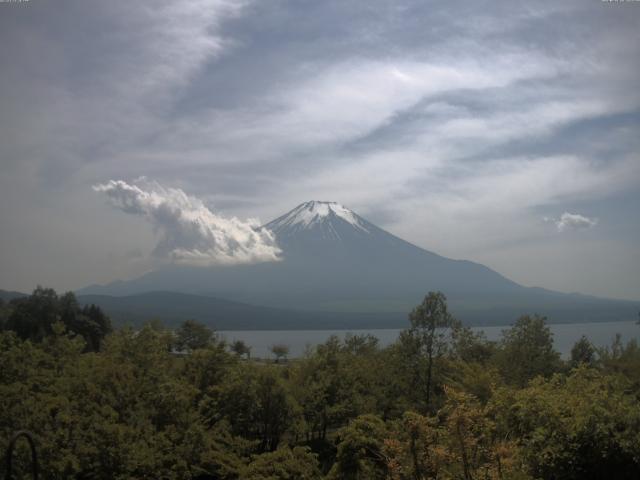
(336,262)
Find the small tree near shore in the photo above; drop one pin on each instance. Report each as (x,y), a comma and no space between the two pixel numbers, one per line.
(240,348)
(280,350)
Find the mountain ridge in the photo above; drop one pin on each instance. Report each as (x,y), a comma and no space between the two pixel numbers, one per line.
(335,261)
(174,307)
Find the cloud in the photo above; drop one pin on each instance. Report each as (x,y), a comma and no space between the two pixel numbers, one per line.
(190,233)
(574,221)
(456,129)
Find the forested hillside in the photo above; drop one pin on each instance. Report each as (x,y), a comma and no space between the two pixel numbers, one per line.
(440,403)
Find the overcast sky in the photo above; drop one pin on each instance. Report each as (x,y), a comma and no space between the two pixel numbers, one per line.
(507,133)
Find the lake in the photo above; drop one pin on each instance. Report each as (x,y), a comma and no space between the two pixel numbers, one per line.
(564,336)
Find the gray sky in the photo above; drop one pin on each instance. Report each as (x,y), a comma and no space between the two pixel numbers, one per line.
(507,133)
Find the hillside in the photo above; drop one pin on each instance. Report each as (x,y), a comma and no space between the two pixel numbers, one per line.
(7,295)
(335,261)
(172,308)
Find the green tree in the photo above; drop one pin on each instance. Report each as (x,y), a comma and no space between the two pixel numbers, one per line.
(320,388)
(207,367)
(475,448)
(284,464)
(526,350)
(414,449)
(256,402)
(582,352)
(89,322)
(5,312)
(33,316)
(622,359)
(361,454)
(428,339)
(582,426)
(472,347)
(240,348)
(192,335)
(339,381)
(280,351)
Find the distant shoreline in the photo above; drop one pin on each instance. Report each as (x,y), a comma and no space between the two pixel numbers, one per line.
(601,334)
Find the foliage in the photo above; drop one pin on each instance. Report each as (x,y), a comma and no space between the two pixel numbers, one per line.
(240,348)
(360,453)
(461,441)
(193,335)
(584,425)
(583,352)
(427,340)
(280,351)
(472,347)
(123,413)
(129,405)
(414,448)
(298,463)
(623,359)
(255,402)
(33,317)
(527,351)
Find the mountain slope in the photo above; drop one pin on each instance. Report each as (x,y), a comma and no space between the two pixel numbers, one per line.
(339,241)
(172,308)
(335,261)
(7,295)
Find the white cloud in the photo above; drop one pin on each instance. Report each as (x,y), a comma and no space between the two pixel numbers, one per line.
(574,221)
(189,232)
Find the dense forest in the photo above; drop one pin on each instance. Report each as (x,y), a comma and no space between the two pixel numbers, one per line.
(440,403)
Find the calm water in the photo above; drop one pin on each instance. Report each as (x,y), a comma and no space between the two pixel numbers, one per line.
(564,335)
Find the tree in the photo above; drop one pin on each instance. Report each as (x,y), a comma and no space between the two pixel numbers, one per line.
(583,352)
(624,359)
(280,350)
(255,400)
(276,408)
(582,426)
(33,316)
(89,322)
(470,346)
(413,450)
(475,448)
(193,335)
(205,368)
(240,348)
(323,389)
(95,328)
(360,453)
(526,350)
(428,337)
(284,464)
(5,310)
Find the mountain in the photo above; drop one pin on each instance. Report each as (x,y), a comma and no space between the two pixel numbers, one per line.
(335,261)
(172,308)
(7,295)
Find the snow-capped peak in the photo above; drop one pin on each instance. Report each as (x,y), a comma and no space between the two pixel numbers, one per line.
(310,213)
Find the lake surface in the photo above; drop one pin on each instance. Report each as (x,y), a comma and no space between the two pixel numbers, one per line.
(564,336)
